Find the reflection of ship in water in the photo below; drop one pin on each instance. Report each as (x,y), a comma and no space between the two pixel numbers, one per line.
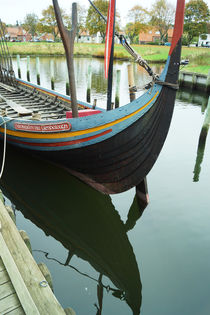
(82,219)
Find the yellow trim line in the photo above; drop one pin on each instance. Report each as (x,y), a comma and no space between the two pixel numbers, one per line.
(74,133)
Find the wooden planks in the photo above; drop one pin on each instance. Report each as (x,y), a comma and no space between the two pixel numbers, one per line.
(10,303)
(3,277)
(17,311)
(22,111)
(43,297)
(7,87)
(2,267)
(6,289)
(15,276)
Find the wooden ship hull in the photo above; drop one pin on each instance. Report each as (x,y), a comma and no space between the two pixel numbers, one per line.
(110,150)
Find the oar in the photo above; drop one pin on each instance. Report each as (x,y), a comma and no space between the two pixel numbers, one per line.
(68,38)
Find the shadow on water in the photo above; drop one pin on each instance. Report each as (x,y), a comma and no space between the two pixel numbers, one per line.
(82,219)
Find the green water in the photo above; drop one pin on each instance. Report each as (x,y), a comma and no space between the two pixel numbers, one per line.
(158,260)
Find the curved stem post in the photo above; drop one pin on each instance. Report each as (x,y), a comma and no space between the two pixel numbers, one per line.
(68,38)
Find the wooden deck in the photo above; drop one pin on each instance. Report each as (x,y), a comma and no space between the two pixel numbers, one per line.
(21,290)
(9,302)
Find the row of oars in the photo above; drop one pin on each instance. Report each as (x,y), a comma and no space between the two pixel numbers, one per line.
(132,87)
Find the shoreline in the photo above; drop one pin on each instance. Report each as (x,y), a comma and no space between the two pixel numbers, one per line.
(199,57)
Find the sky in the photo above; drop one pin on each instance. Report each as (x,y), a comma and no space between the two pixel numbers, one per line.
(13,10)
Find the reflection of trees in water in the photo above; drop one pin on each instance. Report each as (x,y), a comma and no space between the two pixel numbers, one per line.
(197,98)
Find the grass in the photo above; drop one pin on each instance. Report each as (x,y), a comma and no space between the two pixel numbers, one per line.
(199,57)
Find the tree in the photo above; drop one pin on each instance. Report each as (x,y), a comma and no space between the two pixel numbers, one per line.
(162,16)
(138,14)
(81,19)
(49,23)
(30,23)
(94,23)
(138,17)
(196,19)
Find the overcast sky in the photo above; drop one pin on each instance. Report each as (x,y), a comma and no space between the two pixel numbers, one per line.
(13,10)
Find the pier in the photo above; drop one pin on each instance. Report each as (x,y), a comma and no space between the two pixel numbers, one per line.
(23,287)
(195,81)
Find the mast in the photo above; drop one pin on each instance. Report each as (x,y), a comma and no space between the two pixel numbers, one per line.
(109,50)
(68,42)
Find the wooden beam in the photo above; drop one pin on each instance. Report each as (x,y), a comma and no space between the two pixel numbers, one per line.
(17,281)
(22,111)
(68,38)
(43,297)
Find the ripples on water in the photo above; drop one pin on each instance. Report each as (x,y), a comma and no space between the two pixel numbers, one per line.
(158,260)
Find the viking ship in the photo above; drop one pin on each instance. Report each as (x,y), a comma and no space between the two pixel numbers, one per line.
(112,150)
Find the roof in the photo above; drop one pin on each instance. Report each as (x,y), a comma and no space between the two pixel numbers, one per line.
(15,31)
(152,32)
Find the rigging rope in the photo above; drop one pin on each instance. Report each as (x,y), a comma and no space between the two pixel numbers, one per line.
(7,74)
(129,49)
(5,143)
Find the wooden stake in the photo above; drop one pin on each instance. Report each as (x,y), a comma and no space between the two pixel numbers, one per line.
(89,78)
(37,70)
(18,66)
(52,74)
(94,103)
(28,68)
(67,84)
(117,94)
(131,84)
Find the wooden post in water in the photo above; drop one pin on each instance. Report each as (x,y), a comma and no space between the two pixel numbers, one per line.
(52,74)
(67,84)
(89,78)
(208,82)
(37,71)
(18,66)
(131,84)
(68,42)
(117,93)
(28,68)
(94,103)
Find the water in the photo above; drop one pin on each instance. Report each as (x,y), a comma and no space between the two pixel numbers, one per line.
(162,254)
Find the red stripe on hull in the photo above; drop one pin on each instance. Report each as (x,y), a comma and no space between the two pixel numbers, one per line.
(60,144)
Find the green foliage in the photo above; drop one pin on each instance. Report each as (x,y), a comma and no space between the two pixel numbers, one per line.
(48,21)
(132,31)
(196,19)
(94,23)
(162,17)
(81,18)
(137,16)
(30,23)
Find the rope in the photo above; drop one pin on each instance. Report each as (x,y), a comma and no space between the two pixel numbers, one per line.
(4,149)
(5,144)
(129,49)
(173,86)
